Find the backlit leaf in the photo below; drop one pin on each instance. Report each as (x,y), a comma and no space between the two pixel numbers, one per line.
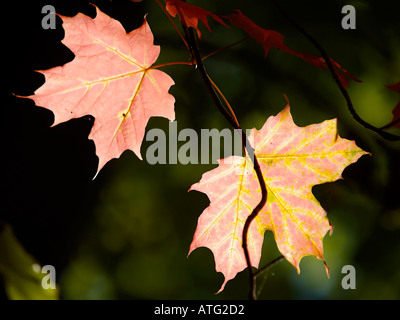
(190,14)
(293,159)
(111,79)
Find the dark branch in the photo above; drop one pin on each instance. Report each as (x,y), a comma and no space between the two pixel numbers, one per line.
(350,106)
(197,60)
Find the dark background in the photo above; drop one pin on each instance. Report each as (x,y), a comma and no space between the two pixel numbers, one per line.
(126,234)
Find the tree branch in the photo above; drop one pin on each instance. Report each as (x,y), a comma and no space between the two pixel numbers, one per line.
(198,61)
(350,106)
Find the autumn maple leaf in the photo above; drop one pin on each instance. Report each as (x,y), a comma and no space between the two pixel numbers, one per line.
(273,39)
(292,160)
(396,110)
(111,79)
(190,14)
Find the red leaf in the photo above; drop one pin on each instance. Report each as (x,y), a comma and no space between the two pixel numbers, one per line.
(292,160)
(396,110)
(267,38)
(190,14)
(273,39)
(110,78)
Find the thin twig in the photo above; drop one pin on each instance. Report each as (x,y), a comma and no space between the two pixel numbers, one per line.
(206,79)
(226,102)
(246,227)
(350,106)
(226,47)
(264,269)
(391,124)
(269,266)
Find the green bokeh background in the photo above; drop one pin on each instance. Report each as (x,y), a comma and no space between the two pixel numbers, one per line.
(130,232)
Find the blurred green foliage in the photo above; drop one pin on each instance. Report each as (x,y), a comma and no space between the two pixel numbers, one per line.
(19,271)
(137,245)
(143,220)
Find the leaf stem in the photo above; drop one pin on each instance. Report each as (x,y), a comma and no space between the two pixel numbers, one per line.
(225,101)
(350,106)
(226,47)
(189,63)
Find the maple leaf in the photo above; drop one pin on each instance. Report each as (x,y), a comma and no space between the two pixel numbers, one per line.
(190,14)
(111,79)
(292,159)
(396,110)
(273,39)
